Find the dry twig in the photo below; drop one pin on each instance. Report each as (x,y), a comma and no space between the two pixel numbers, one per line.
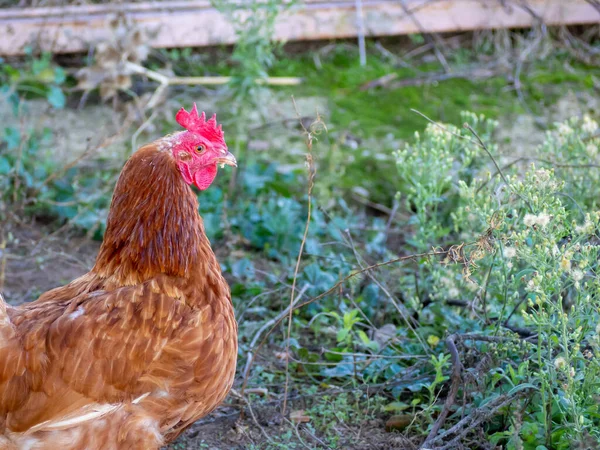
(475,418)
(261,330)
(311,178)
(166,81)
(456,379)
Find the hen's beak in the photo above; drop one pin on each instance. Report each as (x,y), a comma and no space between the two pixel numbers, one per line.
(228,159)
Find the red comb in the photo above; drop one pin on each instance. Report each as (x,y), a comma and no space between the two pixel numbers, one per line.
(191,121)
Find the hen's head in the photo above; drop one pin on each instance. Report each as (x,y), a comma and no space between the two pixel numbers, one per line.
(199,150)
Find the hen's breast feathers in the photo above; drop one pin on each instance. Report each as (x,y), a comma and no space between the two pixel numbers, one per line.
(110,347)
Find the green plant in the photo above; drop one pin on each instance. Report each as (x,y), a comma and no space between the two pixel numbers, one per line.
(37,77)
(254,52)
(542,243)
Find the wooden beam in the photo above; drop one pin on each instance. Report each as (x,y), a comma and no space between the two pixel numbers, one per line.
(196,23)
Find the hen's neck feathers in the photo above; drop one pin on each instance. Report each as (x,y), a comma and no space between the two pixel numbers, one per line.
(153,226)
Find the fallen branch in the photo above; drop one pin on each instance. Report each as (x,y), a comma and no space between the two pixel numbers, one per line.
(261,330)
(166,81)
(482,73)
(433,38)
(475,418)
(450,399)
(383,81)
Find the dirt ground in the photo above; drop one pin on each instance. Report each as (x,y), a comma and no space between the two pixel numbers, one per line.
(224,430)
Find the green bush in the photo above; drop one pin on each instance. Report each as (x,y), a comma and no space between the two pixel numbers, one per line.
(529,264)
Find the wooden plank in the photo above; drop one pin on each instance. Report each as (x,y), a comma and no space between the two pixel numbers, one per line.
(196,23)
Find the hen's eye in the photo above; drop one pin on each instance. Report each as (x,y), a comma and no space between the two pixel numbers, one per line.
(200,149)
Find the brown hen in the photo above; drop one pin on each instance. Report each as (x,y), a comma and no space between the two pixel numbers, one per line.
(131,353)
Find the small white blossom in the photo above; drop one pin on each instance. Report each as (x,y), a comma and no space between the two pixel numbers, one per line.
(586,228)
(591,149)
(530,285)
(577,274)
(530,220)
(446,281)
(589,125)
(453,293)
(543,177)
(564,129)
(543,219)
(560,363)
(435,130)
(471,285)
(510,252)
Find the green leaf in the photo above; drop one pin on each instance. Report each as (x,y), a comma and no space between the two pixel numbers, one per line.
(12,137)
(396,406)
(56,97)
(522,387)
(243,269)
(4,166)
(59,75)
(350,319)
(372,345)
(342,334)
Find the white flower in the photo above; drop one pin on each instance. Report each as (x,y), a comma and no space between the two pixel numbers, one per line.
(577,274)
(543,219)
(543,174)
(591,149)
(435,130)
(530,285)
(509,265)
(471,285)
(530,220)
(446,281)
(589,125)
(560,363)
(586,228)
(510,252)
(564,129)
(453,293)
